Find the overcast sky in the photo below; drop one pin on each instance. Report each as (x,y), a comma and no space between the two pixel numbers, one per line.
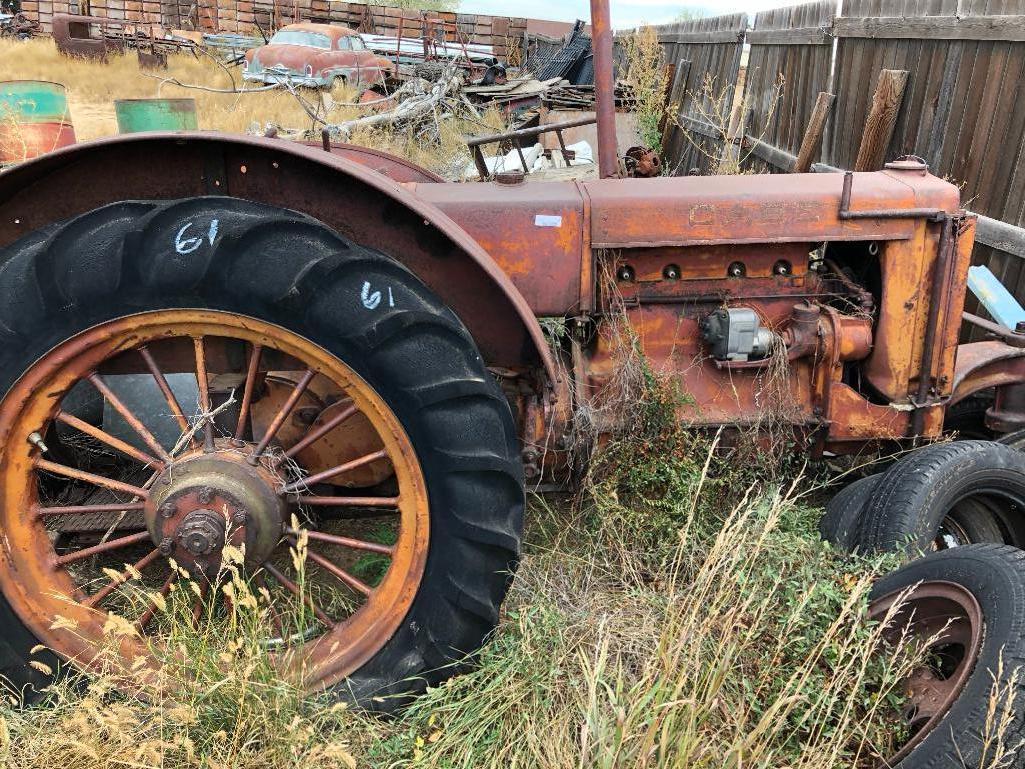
(625,13)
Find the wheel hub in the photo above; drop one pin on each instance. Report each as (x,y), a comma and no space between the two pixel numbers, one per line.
(206,501)
(202,532)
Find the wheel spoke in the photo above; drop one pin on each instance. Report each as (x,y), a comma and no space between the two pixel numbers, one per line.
(96,598)
(338,572)
(82,475)
(103,547)
(115,443)
(44,512)
(133,421)
(335,471)
(323,430)
(315,501)
(203,382)
(247,392)
(282,415)
(355,544)
(294,589)
(165,388)
(151,612)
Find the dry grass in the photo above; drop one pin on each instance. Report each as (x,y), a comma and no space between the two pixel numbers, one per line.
(93,87)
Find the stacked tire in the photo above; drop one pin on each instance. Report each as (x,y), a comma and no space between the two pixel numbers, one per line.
(959,509)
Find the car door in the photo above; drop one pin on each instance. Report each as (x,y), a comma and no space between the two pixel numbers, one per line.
(366,61)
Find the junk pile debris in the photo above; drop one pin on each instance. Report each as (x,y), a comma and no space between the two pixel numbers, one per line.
(513,117)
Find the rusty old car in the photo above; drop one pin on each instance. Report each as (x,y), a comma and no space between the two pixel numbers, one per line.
(316,56)
(241,341)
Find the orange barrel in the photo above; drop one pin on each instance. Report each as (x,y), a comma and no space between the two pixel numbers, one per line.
(34,119)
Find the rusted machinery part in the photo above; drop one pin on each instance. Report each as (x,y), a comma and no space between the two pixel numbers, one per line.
(986,366)
(399,170)
(216,491)
(943,616)
(643,163)
(359,203)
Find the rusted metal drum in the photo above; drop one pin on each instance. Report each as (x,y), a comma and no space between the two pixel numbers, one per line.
(138,115)
(34,119)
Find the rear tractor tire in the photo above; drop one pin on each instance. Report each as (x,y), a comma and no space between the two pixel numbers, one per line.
(360,402)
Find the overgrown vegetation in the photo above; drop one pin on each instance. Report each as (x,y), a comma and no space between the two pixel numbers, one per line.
(646,72)
(680,613)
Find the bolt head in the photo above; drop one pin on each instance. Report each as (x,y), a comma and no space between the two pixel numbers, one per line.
(239,517)
(168,509)
(205,495)
(1020,327)
(166,546)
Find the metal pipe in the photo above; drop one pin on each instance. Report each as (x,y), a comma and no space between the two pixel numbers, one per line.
(528,133)
(604,89)
(846,214)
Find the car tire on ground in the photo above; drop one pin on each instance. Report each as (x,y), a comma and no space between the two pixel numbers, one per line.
(970,604)
(946,495)
(839,524)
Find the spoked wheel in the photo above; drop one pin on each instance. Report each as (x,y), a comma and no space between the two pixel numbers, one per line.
(279,383)
(964,609)
(237,480)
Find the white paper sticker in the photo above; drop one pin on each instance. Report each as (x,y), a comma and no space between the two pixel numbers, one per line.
(541,220)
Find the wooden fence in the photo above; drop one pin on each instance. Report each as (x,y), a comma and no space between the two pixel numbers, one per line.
(962,107)
(705,57)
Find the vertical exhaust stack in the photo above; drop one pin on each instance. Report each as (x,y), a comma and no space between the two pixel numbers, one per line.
(604,89)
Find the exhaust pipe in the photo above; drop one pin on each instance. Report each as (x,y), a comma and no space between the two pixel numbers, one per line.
(604,89)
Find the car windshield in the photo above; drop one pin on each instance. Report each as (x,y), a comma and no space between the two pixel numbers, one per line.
(297,37)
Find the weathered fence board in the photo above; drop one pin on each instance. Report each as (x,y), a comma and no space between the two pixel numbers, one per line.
(713,48)
(789,65)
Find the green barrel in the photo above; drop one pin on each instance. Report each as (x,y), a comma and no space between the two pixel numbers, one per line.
(34,119)
(137,115)
(34,101)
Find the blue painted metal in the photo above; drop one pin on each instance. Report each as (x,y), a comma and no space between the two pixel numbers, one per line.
(995,297)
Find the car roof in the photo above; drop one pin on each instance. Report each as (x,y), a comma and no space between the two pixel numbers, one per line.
(332,30)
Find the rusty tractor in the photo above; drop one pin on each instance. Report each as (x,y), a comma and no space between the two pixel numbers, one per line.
(213,340)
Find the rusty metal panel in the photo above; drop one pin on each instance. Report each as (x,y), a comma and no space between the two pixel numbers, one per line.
(534,232)
(752,209)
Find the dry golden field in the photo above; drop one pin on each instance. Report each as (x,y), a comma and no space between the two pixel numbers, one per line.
(93,86)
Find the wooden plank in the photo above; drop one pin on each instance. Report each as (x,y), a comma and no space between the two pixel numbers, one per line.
(881,120)
(774,156)
(813,135)
(988,28)
(700,127)
(703,38)
(802,36)
(1001,236)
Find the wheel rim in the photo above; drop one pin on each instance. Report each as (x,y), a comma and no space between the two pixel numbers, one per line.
(238,487)
(948,618)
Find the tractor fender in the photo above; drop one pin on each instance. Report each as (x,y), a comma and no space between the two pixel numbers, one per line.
(355,200)
(985,365)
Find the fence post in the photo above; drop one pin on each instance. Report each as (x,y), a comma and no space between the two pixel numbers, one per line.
(881,119)
(813,135)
